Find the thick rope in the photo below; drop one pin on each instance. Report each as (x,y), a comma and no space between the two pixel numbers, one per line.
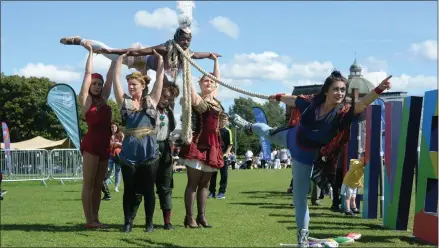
(188,58)
(186,131)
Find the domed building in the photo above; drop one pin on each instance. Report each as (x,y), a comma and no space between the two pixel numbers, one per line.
(357,81)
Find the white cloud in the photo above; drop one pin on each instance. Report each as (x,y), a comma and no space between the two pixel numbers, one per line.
(376,64)
(426,50)
(275,67)
(100,62)
(267,65)
(271,66)
(416,83)
(52,72)
(161,19)
(225,25)
(291,83)
(314,69)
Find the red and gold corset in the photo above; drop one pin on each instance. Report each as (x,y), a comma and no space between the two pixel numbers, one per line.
(206,123)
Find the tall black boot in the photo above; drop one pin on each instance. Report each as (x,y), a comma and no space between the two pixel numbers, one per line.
(149,206)
(128,226)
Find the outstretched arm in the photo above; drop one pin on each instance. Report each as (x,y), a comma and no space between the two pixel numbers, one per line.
(289,100)
(106,91)
(156,91)
(117,85)
(204,55)
(216,73)
(83,94)
(373,95)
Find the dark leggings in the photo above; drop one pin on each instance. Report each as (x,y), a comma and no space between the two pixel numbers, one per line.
(164,176)
(139,181)
(336,181)
(197,184)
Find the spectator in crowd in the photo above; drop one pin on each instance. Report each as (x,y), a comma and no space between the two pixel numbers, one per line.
(232,158)
(249,160)
(113,163)
(226,137)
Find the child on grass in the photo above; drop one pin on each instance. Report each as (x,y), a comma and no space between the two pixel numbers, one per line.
(352,183)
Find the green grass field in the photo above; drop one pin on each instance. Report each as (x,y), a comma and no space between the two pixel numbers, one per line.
(257,212)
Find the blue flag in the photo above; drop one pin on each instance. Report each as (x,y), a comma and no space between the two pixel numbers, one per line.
(62,99)
(265,144)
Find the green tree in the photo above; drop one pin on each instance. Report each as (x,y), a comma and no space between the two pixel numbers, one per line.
(275,114)
(115,108)
(23,106)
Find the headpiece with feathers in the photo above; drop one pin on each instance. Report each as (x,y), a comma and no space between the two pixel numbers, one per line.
(185,15)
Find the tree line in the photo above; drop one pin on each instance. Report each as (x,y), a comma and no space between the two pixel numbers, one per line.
(23,106)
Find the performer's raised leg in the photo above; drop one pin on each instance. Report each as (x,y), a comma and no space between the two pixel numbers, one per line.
(278,137)
(137,62)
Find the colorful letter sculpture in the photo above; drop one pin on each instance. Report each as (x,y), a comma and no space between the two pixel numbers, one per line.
(426,209)
(351,149)
(406,161)
(373,161)
(392,132)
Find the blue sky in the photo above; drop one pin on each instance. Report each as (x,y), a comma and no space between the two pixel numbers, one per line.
(267,47)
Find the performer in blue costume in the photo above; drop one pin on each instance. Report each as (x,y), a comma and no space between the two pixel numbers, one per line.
(323,118)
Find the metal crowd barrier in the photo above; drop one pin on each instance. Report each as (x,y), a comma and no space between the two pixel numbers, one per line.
(66,164)
(27,165)
(42,165)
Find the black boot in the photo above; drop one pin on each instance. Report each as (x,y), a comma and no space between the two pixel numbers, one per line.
(149,227)
(128,226)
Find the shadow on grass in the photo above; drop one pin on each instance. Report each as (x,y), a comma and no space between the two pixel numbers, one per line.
(314,227)
(415,241)
(282,215)
(147,243)
(266,194)
(353,227)
(351,224)
(333,215)
(54,228)
(263,192)
(264,204)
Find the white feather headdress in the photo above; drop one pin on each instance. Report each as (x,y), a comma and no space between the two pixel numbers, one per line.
(185,15)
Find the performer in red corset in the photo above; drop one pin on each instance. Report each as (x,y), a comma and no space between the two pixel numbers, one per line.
(203,155)
(95,144)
